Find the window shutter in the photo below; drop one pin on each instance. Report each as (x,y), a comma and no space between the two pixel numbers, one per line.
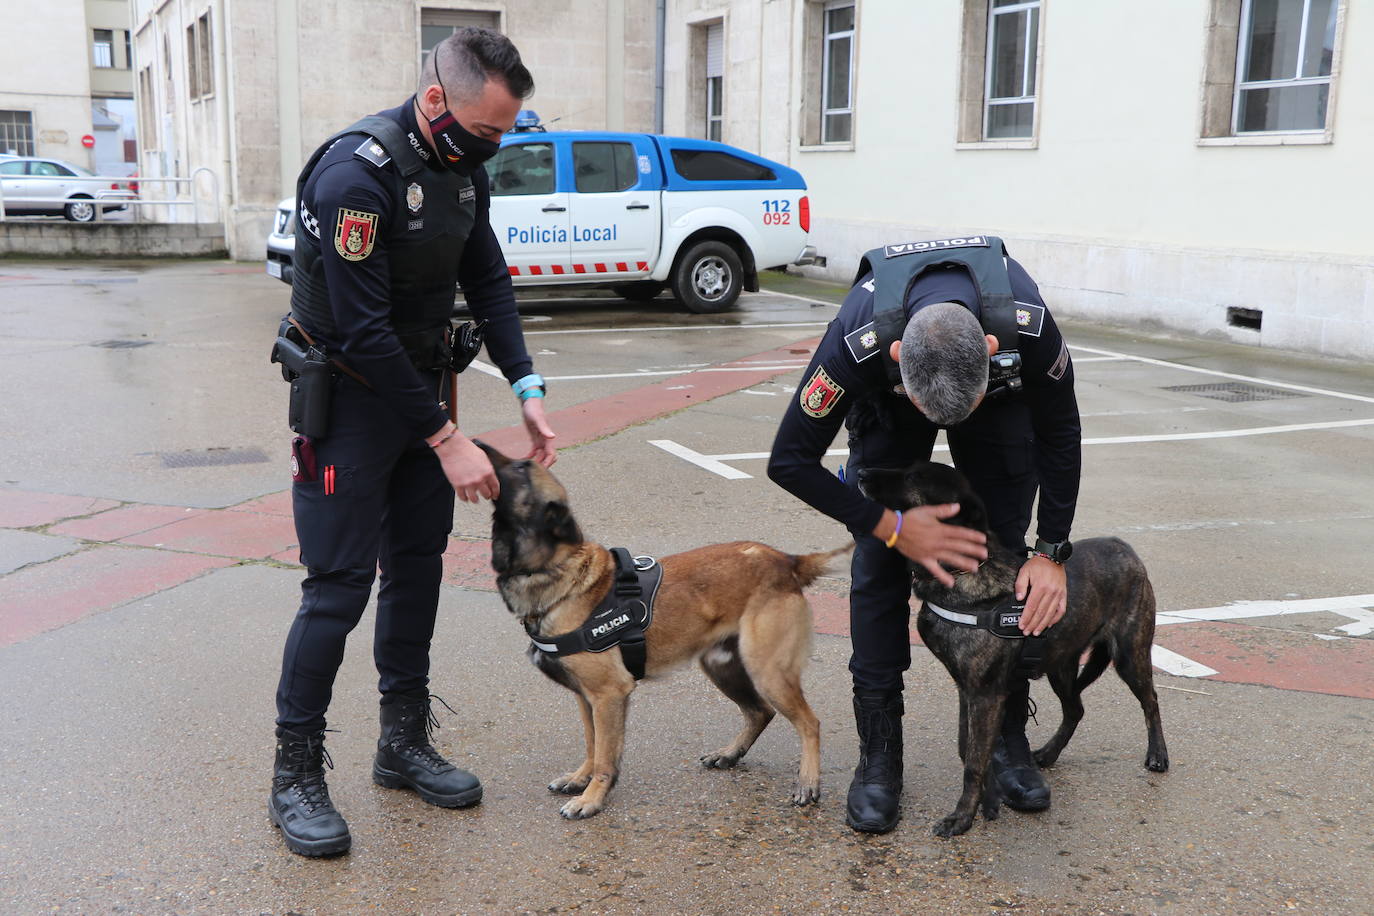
(458,19)
(715,50)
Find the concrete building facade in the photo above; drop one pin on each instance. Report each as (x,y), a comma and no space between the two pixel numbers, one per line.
(246,89)
(67,76)
(1198,164)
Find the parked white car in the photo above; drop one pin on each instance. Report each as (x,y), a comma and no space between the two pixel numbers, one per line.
(634,212)
(30,184)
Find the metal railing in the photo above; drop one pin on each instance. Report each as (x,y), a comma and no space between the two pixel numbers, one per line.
(113,191)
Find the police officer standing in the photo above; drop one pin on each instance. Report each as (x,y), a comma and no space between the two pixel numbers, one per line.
(907,355)
(394,213)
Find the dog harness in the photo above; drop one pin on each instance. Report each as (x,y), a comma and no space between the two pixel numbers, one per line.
(621,617)
(1004,621)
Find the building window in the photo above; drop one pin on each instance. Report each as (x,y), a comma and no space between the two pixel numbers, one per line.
(200,65)
(16,133)
(207,62)
(128,50)
(715,80)
(436,25)
(837,74)
(1283,66)
(102,49)
(1009,93)
(147,126)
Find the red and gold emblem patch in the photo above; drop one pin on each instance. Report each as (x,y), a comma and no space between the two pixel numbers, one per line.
(820,394)
(355,234)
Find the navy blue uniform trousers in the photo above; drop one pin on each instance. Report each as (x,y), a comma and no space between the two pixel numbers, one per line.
(994,448)
(389,505)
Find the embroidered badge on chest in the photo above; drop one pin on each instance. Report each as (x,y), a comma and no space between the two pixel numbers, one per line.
(862,343)
(415,197)
(466,194)
(820,395)
(355,234)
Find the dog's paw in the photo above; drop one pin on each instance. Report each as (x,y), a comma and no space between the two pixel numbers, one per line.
(953,825)
(806,795)
(578,808)
(568,784)
(1045,758)
(720,760)
(1157,762)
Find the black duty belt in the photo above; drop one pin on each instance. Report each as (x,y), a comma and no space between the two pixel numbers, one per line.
(620,619)
(1004,621)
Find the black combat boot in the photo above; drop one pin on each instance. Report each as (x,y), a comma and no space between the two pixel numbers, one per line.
(407,760)
(300,803)
(1018,775)
(874,804)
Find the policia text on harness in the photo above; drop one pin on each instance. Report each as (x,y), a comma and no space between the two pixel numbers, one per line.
(895,269)
(423,295)
(620,619)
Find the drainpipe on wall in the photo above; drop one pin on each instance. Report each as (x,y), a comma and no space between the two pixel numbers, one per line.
(661,31)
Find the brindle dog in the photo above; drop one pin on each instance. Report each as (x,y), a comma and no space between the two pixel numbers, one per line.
(738,609)
(1111,613)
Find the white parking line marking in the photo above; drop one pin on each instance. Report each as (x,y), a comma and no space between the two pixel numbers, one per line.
(1242,378)
(1173,663)
(1105,440)
(806,299)
(700,460)
(684,327)
(1353,607)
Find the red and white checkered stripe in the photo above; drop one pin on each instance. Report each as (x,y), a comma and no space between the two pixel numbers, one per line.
(619,267)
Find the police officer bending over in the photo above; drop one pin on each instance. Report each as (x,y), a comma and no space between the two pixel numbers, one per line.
(907,355)
(393,214)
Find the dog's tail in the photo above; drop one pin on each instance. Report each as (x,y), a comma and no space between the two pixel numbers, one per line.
(809,567)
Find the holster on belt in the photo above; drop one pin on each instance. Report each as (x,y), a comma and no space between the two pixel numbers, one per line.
(307,368)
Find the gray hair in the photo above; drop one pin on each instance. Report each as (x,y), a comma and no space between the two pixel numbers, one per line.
(463,63)
(944,362)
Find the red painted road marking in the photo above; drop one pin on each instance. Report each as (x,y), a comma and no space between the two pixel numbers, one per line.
(613,413)
(225,534)
(1276,658)
(123,522)
(24,509)
(50,595)
(273,504)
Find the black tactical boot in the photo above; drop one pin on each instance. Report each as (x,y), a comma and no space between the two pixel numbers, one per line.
(874,803)
(1018,775)
(407,760)
(300,803)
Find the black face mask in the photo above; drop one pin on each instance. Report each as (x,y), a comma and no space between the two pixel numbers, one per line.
(459,150)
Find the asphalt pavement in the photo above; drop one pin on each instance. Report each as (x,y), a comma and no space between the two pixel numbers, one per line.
(148,575)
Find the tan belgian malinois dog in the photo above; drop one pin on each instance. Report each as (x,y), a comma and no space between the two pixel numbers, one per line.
(738,609)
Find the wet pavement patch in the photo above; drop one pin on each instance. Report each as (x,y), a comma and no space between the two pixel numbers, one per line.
(212,457)
(1234,392)
(121,344)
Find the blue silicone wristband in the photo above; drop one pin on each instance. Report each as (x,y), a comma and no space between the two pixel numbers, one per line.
(531,386)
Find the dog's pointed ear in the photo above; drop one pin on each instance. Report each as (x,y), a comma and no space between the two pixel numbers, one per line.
(498,460)
(560,524)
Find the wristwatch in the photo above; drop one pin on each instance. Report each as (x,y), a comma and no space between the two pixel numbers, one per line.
(1057,551)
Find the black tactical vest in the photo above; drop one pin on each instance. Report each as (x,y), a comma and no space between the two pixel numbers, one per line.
(896,267)
(432,215)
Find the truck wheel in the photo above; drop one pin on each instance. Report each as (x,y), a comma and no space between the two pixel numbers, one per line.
(80,210)
(708,278)
(641,291)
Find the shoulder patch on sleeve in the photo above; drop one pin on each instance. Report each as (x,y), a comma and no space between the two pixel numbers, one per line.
(1030,318)
(372,151)
(821,394)
(1061,364)
(862,343)
(354,234)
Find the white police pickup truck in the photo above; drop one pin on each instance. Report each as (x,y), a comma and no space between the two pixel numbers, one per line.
(633,212)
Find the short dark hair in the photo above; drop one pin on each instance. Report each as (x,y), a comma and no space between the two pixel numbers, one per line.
(463,63)
(944,361)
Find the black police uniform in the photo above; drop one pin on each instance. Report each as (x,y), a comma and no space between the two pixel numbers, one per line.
(385,233)
(1007,447)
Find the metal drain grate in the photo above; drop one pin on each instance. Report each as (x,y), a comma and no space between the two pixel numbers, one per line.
(1235,392)
(212,457)
(121,344)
